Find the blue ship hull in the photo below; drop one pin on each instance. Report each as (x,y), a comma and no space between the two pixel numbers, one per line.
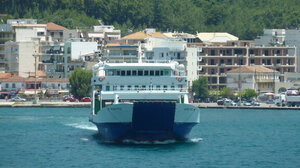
(121,131)
(150,121)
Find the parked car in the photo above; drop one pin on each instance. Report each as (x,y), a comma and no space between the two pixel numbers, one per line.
(70,99)
(85,99)
(247,103)
(18,99)
(255,104)
(270,101)
(220,102)
(229,103)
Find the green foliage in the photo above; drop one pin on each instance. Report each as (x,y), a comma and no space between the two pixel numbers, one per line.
(41,94)
(243,18)
(226,93)
(200,87)
(249,93)
(80,81)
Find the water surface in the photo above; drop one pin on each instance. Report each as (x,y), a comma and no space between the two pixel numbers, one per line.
(63,137)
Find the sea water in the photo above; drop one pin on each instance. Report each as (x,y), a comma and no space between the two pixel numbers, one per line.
(63,137)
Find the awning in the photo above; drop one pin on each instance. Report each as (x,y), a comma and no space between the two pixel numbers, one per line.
(63,91)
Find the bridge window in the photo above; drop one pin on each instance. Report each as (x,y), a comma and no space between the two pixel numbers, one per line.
(140,73)
(122,73)
(151,73)
(133,73)
(156,73)
(146,73)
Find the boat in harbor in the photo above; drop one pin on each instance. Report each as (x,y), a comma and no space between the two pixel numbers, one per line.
(143,101)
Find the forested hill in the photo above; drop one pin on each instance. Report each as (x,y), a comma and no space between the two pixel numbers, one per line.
(243,18)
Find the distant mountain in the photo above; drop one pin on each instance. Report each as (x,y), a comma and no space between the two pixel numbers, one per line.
(243,18)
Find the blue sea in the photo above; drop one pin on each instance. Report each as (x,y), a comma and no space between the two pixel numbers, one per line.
(63,137)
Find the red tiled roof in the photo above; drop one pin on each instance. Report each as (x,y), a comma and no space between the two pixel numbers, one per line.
(38,74)
(5,75)
(53,26)
(21,79)
(252,69)
(15,78)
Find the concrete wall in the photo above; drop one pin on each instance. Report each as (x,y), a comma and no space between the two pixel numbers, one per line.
(24,35)
(26,58)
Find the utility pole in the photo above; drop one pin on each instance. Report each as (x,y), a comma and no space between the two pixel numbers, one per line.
(239,59)
(35,55)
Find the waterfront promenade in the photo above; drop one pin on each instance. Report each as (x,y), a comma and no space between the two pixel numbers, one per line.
(88,104)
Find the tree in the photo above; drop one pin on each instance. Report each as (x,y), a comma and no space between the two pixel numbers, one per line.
(249,93)
(200,87)
(226,92)
(80,81)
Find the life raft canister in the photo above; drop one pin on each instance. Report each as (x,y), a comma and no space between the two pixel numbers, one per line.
(101,79)
(179,79)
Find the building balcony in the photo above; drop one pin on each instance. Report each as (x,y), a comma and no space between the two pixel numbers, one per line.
(285,65)
(266,80)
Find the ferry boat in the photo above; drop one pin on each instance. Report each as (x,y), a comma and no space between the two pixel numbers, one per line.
(143,101)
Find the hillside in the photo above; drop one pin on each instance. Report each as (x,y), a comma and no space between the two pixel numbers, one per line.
(243,18)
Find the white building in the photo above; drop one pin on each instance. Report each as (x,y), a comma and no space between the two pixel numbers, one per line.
(192,64)
(259,78)
(76,48)
(161,48)
(19,59)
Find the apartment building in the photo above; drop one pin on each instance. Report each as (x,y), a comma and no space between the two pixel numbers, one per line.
(215,60)
(55,32)
(6,34)
(282,37)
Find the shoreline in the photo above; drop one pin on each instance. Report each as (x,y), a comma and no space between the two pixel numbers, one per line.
(88,104)
(47,104)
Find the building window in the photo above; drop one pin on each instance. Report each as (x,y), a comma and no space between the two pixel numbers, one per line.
(61,34)
(129,87)
(13,85)
(69,50)
(229,61)
(252,61)
(107,88)
(52,34)
(278,61)
(6,85)
(157,87)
